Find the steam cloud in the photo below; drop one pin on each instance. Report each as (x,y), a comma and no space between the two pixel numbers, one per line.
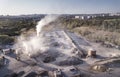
(33,44)
(44,22)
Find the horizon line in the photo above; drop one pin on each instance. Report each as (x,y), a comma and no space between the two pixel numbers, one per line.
(56,13)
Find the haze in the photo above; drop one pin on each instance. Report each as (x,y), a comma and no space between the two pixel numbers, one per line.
(17,7)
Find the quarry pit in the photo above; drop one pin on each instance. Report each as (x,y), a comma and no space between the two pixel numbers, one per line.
(61,52)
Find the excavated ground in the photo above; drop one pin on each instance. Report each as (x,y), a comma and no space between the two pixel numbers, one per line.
(63,50)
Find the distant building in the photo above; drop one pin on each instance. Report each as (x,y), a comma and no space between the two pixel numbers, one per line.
(88,17)
(82,17)
(77,17)
(114,14)
(85,17)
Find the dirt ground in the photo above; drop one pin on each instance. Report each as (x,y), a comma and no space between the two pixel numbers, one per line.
(61,48)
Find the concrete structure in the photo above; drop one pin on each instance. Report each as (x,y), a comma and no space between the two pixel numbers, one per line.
(58,73)
(2,61)
(91,53)
(7,51)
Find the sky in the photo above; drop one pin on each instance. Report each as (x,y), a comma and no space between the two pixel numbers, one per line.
(18,7)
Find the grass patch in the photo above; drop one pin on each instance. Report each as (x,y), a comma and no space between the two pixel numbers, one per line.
(5,39)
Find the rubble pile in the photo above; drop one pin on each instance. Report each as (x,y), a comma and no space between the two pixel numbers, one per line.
(99,68)
(70,61)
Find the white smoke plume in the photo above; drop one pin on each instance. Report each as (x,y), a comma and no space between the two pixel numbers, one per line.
(45,21)
(33,44)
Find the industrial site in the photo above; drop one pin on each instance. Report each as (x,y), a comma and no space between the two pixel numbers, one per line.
(58,53)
